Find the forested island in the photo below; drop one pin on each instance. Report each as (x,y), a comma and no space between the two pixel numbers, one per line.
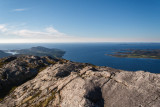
(37,51)
(138,53)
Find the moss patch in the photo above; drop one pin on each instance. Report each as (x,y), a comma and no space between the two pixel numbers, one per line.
(62,61)
(51,62)
(46,101)
(30,98)
(2,62)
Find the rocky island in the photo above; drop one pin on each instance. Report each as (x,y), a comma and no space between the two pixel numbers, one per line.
(138,53)
(43,81)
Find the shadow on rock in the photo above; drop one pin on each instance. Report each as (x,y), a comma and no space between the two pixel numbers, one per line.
(94,95)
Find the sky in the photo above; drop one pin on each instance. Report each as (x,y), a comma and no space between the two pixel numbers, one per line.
(58,21)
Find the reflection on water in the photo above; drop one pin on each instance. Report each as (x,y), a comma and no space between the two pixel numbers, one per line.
(13,53)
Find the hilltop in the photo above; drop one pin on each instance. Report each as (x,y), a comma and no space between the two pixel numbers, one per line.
(34,81)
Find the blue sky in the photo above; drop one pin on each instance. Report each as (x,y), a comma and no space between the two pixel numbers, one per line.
(23,21)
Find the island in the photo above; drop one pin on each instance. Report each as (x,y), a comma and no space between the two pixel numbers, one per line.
(138,53)
(38,51)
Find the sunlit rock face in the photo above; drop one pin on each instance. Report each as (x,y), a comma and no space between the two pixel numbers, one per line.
(48,82)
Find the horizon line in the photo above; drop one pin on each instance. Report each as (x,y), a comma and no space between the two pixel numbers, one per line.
(72,42)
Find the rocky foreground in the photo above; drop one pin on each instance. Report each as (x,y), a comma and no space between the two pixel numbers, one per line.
(31,81)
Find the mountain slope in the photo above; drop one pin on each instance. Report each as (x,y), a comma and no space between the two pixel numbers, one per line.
(70,84)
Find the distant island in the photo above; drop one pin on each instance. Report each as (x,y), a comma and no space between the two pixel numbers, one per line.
(37,51)
(138,53)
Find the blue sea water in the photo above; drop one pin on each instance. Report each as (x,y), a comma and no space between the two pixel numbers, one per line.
(95,53)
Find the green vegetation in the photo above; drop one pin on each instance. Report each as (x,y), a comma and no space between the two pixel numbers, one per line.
(62,61)
(46,101)
(92,65)
(30,98)
(1,99)
(51,62)
(39,67)
(133,53)
(42,68)
(2,62)
(52,96)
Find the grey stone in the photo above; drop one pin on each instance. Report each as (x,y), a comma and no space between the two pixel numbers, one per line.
(71,84)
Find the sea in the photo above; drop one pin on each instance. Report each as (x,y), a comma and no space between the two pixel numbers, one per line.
(95,53)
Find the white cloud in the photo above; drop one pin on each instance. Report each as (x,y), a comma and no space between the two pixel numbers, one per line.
(19,10)
(53,31)
(46,35)
(48,32)
(28,33)
(20,34)
(3,28)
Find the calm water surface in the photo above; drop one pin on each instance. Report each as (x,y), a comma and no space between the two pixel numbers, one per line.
(95,53)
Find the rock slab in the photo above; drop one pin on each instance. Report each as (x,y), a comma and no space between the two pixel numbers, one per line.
(71,84)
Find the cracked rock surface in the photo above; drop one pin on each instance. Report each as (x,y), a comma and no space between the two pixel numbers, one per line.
(71,84)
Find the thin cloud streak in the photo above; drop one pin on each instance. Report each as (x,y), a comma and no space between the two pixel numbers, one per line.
(20,10)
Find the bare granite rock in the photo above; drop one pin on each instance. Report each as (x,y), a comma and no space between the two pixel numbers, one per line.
(70,84)
(16,70)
